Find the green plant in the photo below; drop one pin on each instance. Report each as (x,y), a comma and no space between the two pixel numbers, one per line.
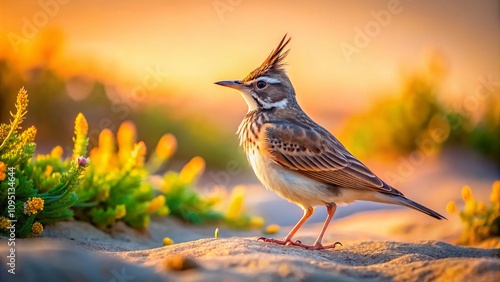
(485,136)
(415,120)
(186,203)
(37,191)
(115,186)
(411,119)
(111,185)
(235,215)
(481,221)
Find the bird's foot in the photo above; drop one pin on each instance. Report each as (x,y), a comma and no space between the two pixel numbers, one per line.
(285,242)
(319,246)
(288,242)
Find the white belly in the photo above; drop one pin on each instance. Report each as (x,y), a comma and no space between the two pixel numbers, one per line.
(292,186)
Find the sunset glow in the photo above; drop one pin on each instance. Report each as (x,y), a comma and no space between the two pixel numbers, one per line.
(197,44)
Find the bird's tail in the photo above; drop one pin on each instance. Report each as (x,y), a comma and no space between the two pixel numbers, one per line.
(402,200)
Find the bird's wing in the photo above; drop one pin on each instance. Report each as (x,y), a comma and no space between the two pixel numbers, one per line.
(315,153)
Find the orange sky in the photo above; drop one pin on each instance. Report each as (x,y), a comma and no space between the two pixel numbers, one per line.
(199,42)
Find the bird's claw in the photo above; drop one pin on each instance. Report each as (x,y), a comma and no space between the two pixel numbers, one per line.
(319,246)
(268,240)
(298,243)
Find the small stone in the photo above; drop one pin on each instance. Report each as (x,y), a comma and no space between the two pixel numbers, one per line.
(181,263)
(167,241)
(271,229)
(284,270)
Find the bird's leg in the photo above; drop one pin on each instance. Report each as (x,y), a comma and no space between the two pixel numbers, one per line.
(317,244)
(288,238)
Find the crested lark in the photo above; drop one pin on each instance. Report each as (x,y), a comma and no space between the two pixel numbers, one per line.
(297,158)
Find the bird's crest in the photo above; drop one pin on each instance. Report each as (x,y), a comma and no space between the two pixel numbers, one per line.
(273,61)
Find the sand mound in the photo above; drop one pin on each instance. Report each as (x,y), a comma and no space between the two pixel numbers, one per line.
(246,259)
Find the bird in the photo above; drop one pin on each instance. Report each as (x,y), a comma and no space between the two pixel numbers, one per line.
(297,158)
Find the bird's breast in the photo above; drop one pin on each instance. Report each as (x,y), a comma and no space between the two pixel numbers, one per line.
(288,184)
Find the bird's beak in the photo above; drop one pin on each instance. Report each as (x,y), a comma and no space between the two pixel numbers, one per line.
(236,84)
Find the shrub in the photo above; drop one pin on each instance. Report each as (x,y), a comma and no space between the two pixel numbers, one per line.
(481,221)
(115,186)
(33,192)
(112,185)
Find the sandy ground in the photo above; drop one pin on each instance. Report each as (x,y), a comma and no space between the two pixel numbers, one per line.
(380,242)
(76,251)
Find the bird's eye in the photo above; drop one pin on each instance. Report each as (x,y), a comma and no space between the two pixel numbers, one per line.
(261,84)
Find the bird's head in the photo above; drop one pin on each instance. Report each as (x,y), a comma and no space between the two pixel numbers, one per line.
(268,86)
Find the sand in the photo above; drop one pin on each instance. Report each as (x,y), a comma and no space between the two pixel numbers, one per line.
(380,243)
(76,251)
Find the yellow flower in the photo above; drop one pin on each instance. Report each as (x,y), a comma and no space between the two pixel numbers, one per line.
(451,207)
(3,167)
(272,229)
(3,132)
(192,170)
(80,139)
(56,177)
(467,194)
(167,241)
(106,141)
(4,223)
(256,222)
(121,211)
(163,211)
(81,125)
(126,136)
(156,203)
(103,156)
(22,101)
(56,152)
(166,146)
(29,134)
(2,176)
(235,207)
(216,195)
(169,179)
(495,192)
(139,154)
(33,205)
(470,207)
(21,105)
(481,208)
(48,170)
(37,228)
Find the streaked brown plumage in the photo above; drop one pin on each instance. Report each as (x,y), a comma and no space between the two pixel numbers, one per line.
(297,158)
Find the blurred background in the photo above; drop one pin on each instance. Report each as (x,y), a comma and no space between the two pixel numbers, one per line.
(399,82)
